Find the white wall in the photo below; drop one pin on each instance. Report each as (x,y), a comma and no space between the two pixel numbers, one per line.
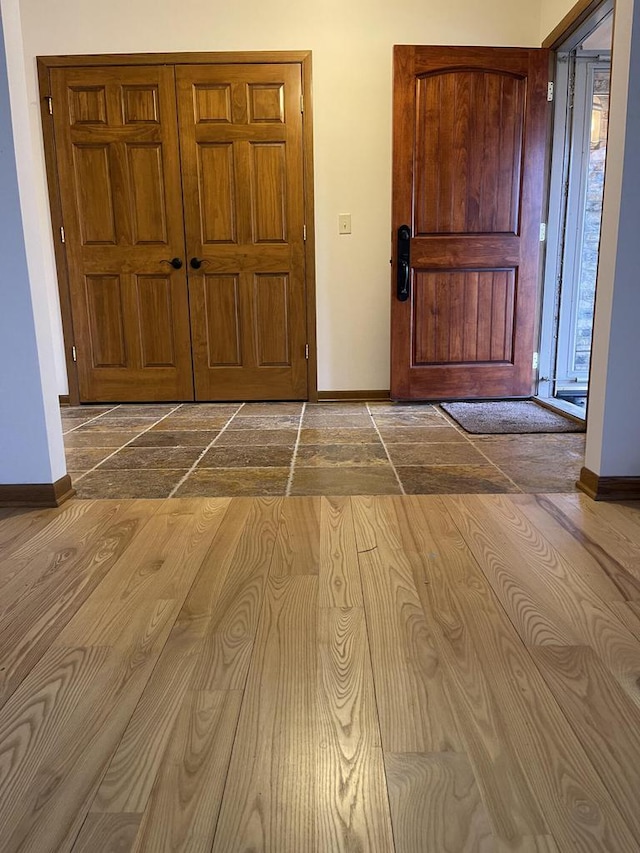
(352,73)
(613,442)
(551,13)
(31,449)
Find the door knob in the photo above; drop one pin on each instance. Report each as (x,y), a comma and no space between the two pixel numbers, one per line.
(196,263)
(404,263)
(176,263)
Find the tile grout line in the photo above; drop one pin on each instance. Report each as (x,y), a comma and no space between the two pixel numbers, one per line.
(90,421)
(118,449)
(206,450)
(467,436)
(287,492)
(384,447)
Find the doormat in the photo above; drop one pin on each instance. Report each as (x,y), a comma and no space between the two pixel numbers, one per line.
(521,416)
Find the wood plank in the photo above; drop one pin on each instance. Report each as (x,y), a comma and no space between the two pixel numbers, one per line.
(606,721)
(183,809)
(629,614)
(63,780)
(546,598)
(17,526)
(606,576)
(447,564)
(163,561)
(51,548)
(269,799)
(230,628)
(339,583)
(587,516)
(352,799)
(297,550)
(38,618)
(107,833)
(579,810)
(436,804)
(127,784)
(624,517)
(36,716)
(414,711)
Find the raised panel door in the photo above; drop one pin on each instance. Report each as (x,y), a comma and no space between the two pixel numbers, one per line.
(120,186)
(242,167)
(469,152)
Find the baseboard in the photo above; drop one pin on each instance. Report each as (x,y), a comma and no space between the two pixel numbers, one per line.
(37,494)
(326,396)
(609,488)
(65,400)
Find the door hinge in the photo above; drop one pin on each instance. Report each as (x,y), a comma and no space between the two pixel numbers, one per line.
(301,103)
(536,360)
(74,354)
(62,236)
(306,351)
(543,232)
(304,232)
(550,90)
(49,101)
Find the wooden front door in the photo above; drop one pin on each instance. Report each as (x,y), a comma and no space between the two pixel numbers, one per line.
(470,129)
(242,166)
(119,176)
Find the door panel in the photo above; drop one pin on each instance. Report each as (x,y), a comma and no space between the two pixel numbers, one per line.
(119,173)
(242,166)
(469,148)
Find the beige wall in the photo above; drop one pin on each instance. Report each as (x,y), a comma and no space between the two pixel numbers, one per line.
(551,13)
(352,74)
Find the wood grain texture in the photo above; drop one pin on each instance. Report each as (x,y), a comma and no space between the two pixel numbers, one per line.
(183,810)
(166,558)
(242,161)
(48,550)
(609,578)
(233,618)
(339,581)
(629,615)
(414,710)
(18,526)
(265,806)
(590,698)
(120,189)
(539,588)
(587,515)
(127,784)
(469,140)
(436,804)
(576,805)
(445,564)
(34,622)
(352,805)
(195,695)
(297,550)
(107,833)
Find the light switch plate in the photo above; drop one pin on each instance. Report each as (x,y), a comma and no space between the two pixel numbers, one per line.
(344,223)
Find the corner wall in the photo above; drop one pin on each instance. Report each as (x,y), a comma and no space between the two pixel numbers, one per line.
(551,13)
(352,75)
(31,449)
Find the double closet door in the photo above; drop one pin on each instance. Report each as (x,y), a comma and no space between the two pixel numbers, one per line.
(182,198)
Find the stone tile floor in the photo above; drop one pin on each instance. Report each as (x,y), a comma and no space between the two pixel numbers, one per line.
(221,449)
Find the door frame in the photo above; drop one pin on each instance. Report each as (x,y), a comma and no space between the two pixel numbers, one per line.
(565,37)
(299,57)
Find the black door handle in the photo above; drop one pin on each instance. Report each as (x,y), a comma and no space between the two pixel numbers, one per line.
(176,263)
(196,263)
(404,263)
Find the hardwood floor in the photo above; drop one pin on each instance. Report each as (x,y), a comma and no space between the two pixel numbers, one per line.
(411,674)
